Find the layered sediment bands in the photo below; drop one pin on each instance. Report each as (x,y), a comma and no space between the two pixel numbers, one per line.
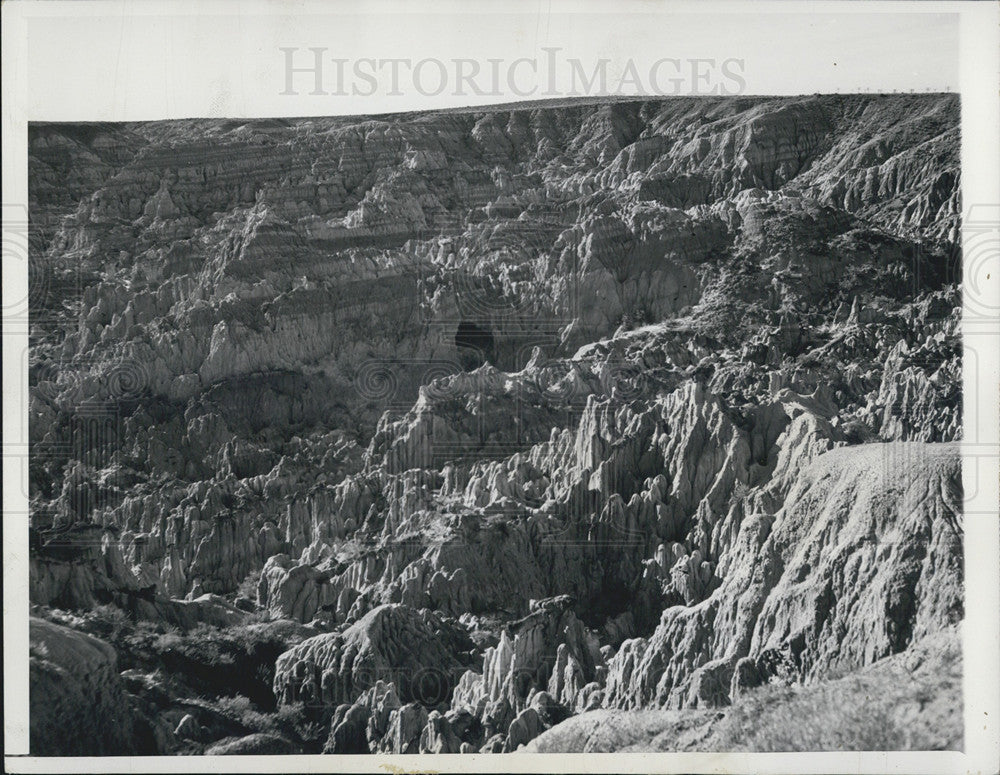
(866,176)
(68,165)
(598,406)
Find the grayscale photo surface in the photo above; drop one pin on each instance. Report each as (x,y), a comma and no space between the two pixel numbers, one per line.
(605,425)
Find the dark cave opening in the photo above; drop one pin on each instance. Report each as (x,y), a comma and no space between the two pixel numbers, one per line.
(613,599)
(475,345)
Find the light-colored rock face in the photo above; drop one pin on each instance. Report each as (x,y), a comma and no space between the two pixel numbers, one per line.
(864,557)
(605,406)
(910,701)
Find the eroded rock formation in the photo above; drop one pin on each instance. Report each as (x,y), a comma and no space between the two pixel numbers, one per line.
(524,413)
(78,704)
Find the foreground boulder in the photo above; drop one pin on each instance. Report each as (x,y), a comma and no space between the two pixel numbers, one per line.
(258,743)
(78,705)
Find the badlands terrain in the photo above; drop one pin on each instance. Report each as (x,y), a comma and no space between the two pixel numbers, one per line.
(604,426)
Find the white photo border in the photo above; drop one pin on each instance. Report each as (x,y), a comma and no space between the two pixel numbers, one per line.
(114,60)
